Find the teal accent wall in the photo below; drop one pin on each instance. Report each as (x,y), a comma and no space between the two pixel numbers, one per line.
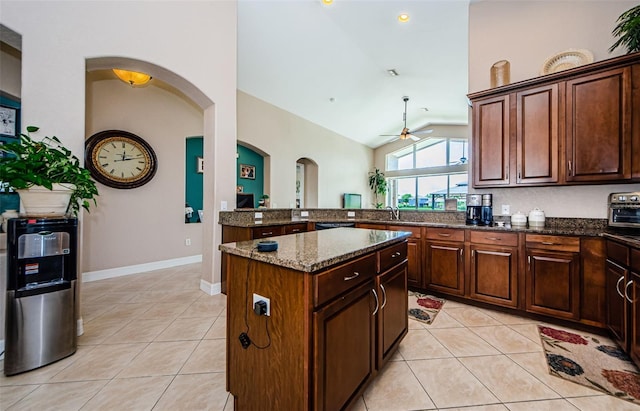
(193,183)
(256,186)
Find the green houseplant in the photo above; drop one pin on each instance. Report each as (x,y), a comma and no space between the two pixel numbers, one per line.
(32,163)
(628,30)
(378,185)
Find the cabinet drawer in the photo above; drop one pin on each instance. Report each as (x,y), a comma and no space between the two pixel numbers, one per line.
(334,282)
(415,231)
(295,228)
(494,237)
(261,232)
(393,255)
(618,253)
(371,226)
(447,234)
(553,242)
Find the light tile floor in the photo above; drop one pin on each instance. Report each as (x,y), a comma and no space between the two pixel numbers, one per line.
(154,341)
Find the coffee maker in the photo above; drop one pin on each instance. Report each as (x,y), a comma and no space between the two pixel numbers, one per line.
(486,212)
(474,209)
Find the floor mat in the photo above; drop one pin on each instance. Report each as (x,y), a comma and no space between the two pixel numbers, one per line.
(424,307)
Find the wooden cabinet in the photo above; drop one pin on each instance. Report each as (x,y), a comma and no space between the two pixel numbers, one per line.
(598,133)
(232,234)
(491,141)
(329,334)
(344,335)
(393,322)
(573,127)
(537,135)
(617,310)
(444,260)
(553,275)
(414,254)
(493,272)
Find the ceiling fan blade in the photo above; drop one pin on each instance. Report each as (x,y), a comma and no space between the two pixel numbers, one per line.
(414,138)
(389,135)
(422,132)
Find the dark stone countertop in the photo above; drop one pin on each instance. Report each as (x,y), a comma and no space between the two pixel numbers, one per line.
(315,250)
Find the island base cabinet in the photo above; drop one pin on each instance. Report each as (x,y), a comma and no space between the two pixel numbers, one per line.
(344,336)
(393,321)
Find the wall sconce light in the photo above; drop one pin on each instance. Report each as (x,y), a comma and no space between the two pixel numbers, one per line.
(133,78)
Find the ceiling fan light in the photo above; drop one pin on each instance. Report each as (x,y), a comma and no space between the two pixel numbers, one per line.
(327,2)
(133,78)
(403,18)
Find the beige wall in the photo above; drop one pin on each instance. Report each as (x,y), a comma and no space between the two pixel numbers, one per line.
(342,163)
(147,219)
(526,33)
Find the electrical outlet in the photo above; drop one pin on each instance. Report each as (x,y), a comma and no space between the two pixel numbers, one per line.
(257,297)
(506,209)
(304,214)
(187,241)
(351,213)
(258,216)
(223,205)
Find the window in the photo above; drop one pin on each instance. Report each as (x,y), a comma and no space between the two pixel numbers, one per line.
(423,175)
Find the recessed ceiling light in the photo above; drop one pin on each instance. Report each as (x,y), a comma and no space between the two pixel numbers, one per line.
(327,2)
(392,72)
(403,18)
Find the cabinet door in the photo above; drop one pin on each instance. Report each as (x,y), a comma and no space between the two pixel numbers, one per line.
(414,268)
(491,142)
(393,321)
(617,310)
(537,135)
(598,133)
(445,267)
(494,274)
(634,338)
(553,283)
(344,335)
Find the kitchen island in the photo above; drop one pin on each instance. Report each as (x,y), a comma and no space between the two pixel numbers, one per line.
(336,310)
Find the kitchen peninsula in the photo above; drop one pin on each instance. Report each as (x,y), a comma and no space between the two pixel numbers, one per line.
(310,324)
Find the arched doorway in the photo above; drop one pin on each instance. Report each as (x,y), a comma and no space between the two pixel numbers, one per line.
(306,183)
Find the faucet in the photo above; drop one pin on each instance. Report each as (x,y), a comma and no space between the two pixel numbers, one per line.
(394,212)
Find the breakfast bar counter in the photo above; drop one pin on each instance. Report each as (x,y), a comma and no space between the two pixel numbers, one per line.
(311,324)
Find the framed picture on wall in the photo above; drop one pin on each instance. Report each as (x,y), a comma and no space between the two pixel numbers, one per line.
(248,171)
(9,121)
(200,165)
(239,189)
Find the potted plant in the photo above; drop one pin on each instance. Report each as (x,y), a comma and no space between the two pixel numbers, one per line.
(628,30)
(264,201)
(46,165)
(378,185)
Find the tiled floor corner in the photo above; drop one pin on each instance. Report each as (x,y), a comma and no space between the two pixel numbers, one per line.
(154,341)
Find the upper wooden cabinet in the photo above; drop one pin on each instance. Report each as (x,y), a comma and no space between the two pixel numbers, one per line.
(572,127)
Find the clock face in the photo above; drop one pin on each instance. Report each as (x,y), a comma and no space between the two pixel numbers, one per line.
(120,159)
(8,121)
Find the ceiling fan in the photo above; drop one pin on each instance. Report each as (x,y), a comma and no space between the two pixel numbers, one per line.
(405,133)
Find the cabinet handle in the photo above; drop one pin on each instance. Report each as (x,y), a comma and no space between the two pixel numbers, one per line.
(492,238)
(570,169)
(396,254)
(529,260)
(461,251)
(444,235)
(618,286)
(384,295)
(355,275)
(266,234)
(547,243)
(295,230)
(473,252)
(519,178)
(375,294)
(625,291)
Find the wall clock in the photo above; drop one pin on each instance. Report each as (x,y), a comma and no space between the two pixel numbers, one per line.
(120,159)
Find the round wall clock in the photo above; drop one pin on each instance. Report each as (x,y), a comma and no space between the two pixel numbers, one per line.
(120,159)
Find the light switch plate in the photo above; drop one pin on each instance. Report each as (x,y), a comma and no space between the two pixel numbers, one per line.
(223,205)
(506,209)
(304,214)
(351,213)
(258,216)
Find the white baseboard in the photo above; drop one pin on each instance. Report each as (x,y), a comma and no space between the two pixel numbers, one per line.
(209,288)
(139,268)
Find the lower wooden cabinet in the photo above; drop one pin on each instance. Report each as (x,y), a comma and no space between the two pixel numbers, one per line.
(393,322)
(634,338)
(444,260)
(617,315)
(344,334)
(553,275)
(493,274)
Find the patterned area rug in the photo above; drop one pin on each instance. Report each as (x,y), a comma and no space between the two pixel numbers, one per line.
(594,361)
(423,307)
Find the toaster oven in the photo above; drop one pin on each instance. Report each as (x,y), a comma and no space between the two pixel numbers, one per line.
(624,209)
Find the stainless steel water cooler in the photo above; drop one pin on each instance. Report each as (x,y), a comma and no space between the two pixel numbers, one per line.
(41,292)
